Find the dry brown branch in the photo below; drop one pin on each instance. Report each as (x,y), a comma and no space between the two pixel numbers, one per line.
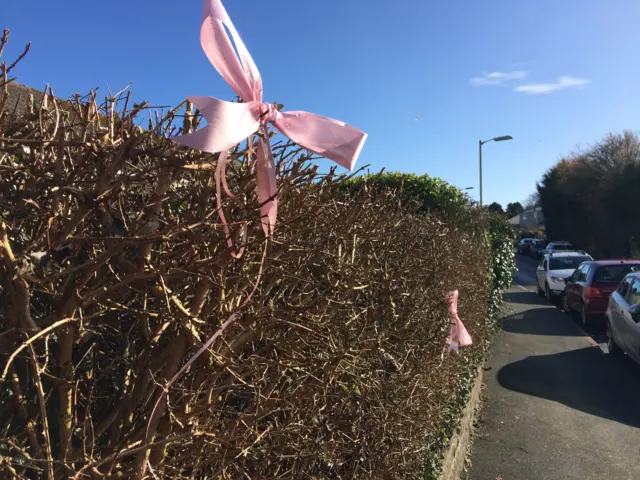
(4,40)
(65,390)
(22,411)
(113,249)
(132,451)
(43,412)
(20,57)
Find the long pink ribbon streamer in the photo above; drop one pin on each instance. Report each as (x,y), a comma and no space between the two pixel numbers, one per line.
(231,123)
(458,335)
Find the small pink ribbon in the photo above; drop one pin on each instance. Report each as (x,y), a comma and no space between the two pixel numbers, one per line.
(458,335)
(231,123)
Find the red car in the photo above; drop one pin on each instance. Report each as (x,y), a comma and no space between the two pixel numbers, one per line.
(587,290)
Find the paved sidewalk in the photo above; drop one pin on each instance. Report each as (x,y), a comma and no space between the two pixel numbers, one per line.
(555,406)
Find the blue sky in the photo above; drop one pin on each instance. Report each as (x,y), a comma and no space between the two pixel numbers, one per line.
(377,65)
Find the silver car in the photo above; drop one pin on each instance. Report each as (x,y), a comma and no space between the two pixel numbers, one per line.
(560,246)
(623,317)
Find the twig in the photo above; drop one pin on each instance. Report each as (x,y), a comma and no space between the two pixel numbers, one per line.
(65,390)
(31,433)
(38,335)
(173,364)
(20,57)
(4,40)
(133,451)
(21,305)
(43,413)
(5,86)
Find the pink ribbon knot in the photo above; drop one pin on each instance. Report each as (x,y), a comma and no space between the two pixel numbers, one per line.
(268,113)
(458,335)
(229,123)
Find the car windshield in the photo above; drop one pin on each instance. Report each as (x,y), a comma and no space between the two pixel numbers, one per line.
(614,273)
(566,263)
(562,246)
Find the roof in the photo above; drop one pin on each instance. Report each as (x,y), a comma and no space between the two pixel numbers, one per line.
(614,261)
(18,98)
(564,253)
(528,218)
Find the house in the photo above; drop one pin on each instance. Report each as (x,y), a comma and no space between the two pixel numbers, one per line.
(529,218)
(19,98)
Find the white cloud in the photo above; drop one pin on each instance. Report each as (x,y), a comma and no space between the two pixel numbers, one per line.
(541,88)
(498,78)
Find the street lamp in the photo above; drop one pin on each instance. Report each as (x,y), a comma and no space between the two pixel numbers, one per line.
(495,139)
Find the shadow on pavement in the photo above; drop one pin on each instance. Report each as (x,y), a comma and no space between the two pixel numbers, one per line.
(526,298)
(540,321)
(527,260)
(596,328)
(536,326)
(581,379)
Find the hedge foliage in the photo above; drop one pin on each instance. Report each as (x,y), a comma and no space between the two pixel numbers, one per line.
(493,237)
(434,194)
(501,236)
(114,270)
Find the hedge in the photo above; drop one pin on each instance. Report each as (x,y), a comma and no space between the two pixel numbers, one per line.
(494,238)
(432,193)
(114,271)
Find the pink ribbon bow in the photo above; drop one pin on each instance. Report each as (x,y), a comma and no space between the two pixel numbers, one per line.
(458,335)
(231,123)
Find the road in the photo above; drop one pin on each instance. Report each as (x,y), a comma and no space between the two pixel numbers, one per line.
(525,279)
(556,406)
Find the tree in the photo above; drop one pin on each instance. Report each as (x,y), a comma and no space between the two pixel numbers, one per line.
(514,209)
(532,201)
(495,207)
(590,197)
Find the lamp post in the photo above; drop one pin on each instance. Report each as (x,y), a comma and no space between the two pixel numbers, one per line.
(481,142)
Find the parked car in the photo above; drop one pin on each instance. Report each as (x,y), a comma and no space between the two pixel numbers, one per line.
(623,318)
(536,250)
(524,245)
(588,289)
(553,270)
(558,246)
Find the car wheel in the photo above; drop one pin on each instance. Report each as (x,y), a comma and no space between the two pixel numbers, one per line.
(538,289)
(612,346)
(584,317)
(565,303)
